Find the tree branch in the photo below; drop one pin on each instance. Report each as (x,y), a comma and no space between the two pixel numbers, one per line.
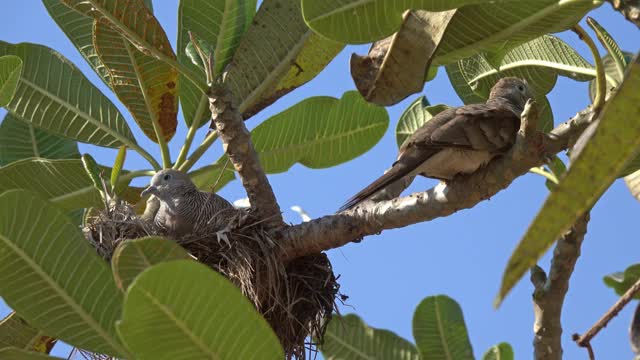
(629,8)
(464,192)
(585,340)
(238,146)
(549,293)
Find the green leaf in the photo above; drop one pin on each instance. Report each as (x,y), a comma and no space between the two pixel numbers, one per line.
(611,74)
(132,257)
(117,166)
(144,84)
(20,140)
(348,337)
(19,354)
(16,332)
(193,54)
(277,54)
(440,331)
(497,27)
(414,116)
(589,176)
(539,61)
(622,281)
(219,23)
(78,28)
(207,176)
(364,21)
(93,171)
(610,44)
(10,69)
(209,320)
(63,182)
(52,277)
(319,132)
(55,96)
(502,351)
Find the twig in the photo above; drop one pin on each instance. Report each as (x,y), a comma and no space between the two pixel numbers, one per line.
(549,293)
(239,147)
(585,339)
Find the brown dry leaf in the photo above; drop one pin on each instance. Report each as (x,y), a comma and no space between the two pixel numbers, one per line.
(633,183)
(145,85)
(396,66)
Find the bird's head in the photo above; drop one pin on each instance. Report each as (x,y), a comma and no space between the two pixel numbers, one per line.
(515,90)
(167,183)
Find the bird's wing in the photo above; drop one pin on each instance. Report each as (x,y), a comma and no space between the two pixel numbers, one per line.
(473,127)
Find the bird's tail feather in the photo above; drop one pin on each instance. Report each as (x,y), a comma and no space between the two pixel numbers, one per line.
(395,173)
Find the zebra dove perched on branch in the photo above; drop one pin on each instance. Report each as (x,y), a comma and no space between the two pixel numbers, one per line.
(458,140)
(183,208)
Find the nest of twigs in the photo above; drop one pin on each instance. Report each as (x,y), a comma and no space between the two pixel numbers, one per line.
(297,298)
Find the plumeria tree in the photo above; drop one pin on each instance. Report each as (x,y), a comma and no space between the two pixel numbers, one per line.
(233,59)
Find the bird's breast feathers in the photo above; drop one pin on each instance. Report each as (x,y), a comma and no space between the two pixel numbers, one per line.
(449,162)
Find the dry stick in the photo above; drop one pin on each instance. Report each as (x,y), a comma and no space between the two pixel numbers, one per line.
(585,340)
(239,148)
(465,192)
(549,293)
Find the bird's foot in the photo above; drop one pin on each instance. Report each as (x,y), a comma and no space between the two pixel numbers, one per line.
(222,236)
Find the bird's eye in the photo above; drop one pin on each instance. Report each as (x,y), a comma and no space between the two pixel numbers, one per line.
(521,88)
(167,177)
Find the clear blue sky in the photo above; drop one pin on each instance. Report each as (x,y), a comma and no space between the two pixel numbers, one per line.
(463,255)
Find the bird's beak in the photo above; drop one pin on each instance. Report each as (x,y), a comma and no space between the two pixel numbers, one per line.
(149,190)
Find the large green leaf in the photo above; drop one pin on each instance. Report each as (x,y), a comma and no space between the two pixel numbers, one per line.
(414,116)
(10,69)
(277,54)
(54,95)
(21,140)
(19,354)
(497,27)
(538,61)
(620,282)
(52,277)
(209,177)
(132,257)
(78,28)
(349,338)
(440,331)
(144,84)
(502,351)
(589,176)
(319,132)
(363,21)
(206,318)
(217,22)
(63,182)
(16,332)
